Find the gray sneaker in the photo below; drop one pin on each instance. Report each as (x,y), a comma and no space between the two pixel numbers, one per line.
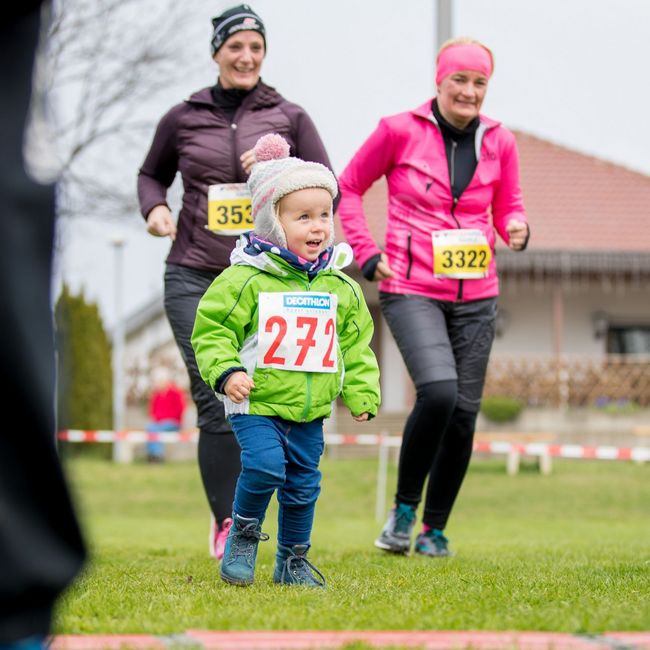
(396,534)
(432,544)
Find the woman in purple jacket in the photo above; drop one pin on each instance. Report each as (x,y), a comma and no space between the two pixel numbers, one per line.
(208,138)
(453,179)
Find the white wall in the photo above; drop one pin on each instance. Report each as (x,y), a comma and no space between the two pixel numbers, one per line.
(529,323)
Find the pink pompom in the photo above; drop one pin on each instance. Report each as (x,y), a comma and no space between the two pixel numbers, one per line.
(271,147)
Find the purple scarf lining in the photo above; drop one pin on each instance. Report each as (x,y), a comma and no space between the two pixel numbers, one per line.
(257,245)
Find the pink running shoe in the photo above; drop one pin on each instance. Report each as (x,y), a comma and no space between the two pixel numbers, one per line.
(218,536)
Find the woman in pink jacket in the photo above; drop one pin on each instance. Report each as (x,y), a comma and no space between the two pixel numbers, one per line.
(453,180)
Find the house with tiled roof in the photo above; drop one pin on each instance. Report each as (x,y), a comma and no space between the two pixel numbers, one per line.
(574,309)
(589,255)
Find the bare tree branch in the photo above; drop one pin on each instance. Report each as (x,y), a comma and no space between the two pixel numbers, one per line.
(108,60)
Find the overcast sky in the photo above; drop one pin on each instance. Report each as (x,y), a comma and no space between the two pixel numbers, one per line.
(570,71)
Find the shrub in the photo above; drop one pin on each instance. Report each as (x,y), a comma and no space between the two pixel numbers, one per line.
(84,373)
(501,408)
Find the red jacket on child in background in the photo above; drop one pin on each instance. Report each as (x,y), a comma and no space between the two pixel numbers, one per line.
(167,404)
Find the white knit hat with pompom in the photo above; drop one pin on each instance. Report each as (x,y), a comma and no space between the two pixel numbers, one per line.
(275,175)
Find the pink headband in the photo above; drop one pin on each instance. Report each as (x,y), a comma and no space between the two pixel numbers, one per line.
(464,56)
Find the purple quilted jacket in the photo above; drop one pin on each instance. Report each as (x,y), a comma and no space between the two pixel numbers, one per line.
(198,140)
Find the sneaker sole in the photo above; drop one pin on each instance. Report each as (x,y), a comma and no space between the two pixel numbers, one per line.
(391,549)
(423,554)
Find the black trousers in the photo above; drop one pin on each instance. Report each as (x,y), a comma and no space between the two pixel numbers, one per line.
(41,545)
(219,453)
(446,347)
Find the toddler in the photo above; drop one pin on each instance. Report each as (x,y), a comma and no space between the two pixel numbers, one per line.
(279,335)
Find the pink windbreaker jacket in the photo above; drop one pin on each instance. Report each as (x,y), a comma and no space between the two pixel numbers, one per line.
(408,149)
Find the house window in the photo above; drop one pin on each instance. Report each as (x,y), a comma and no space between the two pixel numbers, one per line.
(629,340)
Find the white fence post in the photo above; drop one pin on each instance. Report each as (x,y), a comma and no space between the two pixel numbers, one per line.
(382,471)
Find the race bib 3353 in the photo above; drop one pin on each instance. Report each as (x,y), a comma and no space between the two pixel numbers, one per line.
(229,209)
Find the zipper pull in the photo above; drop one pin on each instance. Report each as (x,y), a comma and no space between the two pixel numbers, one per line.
(454,201)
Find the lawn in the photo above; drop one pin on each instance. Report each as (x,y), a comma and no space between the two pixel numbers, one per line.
(568,552)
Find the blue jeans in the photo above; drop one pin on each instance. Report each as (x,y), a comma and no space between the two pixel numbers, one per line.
(157,448)
(284,456)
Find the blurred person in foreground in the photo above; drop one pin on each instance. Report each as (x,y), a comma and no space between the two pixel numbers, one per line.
(453,183)
(41,545)
(209,139)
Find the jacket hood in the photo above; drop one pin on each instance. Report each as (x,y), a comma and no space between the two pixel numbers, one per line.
(341,257)
(485,124)
(262,96)
(424,110)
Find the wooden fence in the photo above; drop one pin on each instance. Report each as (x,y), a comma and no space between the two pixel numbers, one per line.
(571,381)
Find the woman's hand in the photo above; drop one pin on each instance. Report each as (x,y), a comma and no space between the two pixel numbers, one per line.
(247,160)
(383,270)
(518,231)
(160,222)
(361,418)
(238,386)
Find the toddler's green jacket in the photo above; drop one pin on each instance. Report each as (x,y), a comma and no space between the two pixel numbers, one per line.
(225,337)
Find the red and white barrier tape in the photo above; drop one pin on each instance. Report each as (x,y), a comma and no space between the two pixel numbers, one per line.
(78,435)
(565,451)
(639,454)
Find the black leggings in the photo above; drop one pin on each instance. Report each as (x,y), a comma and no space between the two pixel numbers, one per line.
(445,346)
(219,463)
(219,454)
(436,429)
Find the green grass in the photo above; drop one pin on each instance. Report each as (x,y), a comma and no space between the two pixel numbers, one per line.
(567,552)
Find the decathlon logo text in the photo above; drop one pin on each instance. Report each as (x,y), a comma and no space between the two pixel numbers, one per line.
(308,301)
